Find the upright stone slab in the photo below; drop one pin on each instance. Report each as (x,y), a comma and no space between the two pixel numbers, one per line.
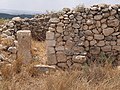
(24,46)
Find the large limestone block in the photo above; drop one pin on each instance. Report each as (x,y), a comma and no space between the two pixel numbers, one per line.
(24,46)
(50,43)
(50,35)
(50,50)
(61,57)
(51,59)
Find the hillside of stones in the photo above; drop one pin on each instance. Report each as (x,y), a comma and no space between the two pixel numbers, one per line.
(91,31)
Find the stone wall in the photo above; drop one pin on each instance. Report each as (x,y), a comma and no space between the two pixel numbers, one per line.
(38,25)
(73,37)
(83,32)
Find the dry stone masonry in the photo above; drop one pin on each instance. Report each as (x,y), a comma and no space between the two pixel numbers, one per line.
(73,37)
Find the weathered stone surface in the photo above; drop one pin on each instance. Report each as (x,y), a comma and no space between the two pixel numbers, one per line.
(59,48)
(16,19)
(86,43)
(54,20)
(50,42)
(89,38)
(101,43)
(24,42)
(93,42)
(106,48)
(50,50)
(59,29)
(62,65)
(118,41)
(69,44)
(98,17)
(113,42)
(116,48)
(79,59)
(94,50)
(76,26)
(108,31)
(50,35)
(12,50)
(61,57)
(51,59)
(98,37)
(88,32)
(113,23)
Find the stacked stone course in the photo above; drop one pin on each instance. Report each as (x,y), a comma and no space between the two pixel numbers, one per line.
(75,35)
(72,36)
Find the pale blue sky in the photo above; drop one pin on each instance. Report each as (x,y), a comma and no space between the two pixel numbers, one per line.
(43,5)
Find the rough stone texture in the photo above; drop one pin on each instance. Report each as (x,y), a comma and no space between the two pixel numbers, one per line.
(108,31)
(91,30)
(24,46)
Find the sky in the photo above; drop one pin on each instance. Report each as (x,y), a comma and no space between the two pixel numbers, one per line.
(50,5)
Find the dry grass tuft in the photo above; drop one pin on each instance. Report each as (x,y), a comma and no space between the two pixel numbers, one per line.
(89,78)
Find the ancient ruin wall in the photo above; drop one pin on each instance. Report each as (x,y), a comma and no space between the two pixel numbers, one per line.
(72,34)
(88,32)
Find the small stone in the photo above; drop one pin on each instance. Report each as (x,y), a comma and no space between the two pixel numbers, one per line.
(89,38)
(62,65)
(106,48)
(13,50)
(113,23)
(98,36)
(2,57)
(101,43)
(93,42)
(98,17)
(50,42)
(51,29)
(94,50)
(18,19)
(90,22)
(86,43)
(88,32)
(118,41)
(108,31)
(69,63)
(116,47)
(54,20)
(113,42)
(75,26)
(79,59)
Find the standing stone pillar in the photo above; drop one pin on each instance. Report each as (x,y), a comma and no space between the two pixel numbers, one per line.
(24,46)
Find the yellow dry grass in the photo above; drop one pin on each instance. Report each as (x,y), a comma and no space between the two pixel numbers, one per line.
(93,77)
